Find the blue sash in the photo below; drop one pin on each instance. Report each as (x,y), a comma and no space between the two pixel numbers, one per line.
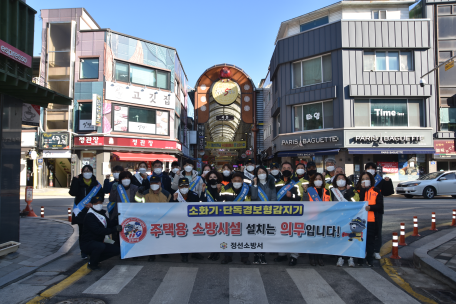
(285,188)
(262,195)
(78,208)
(243,193)
(378,179)
(123,194)
(209,197)
(194,183)
(314,194)
(110,206)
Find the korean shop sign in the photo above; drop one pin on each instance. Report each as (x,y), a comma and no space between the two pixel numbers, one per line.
(55,140)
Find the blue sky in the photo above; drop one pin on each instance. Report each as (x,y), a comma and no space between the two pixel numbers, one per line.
(203,32)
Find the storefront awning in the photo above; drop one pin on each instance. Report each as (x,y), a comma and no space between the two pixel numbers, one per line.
(391,151)
(143,157)
(307,153)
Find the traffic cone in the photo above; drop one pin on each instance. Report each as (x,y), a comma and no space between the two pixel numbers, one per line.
(415,226)
(433,228)
(395,250)
(30,211)
(402,236)
(453,221)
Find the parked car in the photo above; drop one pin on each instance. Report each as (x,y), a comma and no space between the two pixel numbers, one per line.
(430,185)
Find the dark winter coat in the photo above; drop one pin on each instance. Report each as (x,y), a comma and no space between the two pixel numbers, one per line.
(192,197)
(79,190)
(94,230)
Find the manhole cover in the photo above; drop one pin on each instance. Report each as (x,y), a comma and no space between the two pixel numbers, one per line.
(83,301)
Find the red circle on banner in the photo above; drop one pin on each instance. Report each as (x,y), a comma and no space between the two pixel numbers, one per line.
(133,231)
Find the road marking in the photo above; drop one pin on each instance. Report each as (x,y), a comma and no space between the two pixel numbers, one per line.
(49,293)
(176,287)
(380,287)
(246,286)
(389,210)
(114,281)
(313,288)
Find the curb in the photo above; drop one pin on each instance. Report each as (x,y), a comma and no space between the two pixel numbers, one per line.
(432,267)
(22,273)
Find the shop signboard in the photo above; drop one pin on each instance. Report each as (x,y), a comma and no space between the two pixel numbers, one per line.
(15,54)
(444,146)
(226,145)
(97,109)
(225,91)
(224,117)
(139,95)
(225,153)
(28,139)
(389,167)
(389,138)
(31,114)
(55,140)
(125,142)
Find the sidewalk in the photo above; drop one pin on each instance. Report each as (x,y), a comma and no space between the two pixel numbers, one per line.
(49,191)
(42,241)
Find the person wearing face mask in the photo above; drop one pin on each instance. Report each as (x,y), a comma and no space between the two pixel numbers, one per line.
(300,172)
(96,226)
(226,174)
(237,191)
(385,185)
(249,170)
(205,171)
(263,190)
(165,180)
(275,172)
(339,170)
(175,167)
(107,185)
(185,195)
(289,187)
(212,194)
(140,178)
(316,192)
(330,165)
(311,170)
(83,188)
(368,192)
(196,181)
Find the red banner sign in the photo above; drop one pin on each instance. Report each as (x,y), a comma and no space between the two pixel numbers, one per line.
(444,146)
(389,167)
(15,54)
(125,142)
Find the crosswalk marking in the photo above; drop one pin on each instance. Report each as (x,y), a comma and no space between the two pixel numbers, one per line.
(313,288)
(176,287)
(380,287)
(246,286)
(116,279)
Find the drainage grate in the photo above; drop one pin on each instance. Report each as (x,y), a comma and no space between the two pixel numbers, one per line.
(83,301)
(441,296)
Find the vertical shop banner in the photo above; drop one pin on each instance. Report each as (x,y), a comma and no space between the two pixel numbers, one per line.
(97,110)
(336,228)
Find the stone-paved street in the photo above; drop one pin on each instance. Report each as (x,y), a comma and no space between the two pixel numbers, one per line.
(39,239)
(446,254)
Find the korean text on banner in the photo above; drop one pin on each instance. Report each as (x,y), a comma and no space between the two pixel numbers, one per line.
(336,228)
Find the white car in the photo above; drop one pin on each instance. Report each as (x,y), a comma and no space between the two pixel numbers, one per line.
(430,185)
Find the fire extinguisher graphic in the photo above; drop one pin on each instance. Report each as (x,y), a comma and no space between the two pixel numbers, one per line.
(51,179)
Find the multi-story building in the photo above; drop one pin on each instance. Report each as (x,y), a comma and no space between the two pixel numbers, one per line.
(346,85)
(130,96)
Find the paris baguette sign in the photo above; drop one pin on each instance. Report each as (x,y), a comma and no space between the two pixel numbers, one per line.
(313,140)
(15,54)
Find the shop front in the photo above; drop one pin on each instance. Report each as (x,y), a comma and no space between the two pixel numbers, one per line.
(445,155)
(55,150)
(402,154)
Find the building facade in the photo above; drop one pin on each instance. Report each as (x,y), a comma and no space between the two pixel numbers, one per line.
(346,85)
(130,97)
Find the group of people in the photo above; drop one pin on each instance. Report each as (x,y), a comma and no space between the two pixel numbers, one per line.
(282,182)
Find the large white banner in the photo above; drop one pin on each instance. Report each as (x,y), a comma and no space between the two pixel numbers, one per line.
(336,228)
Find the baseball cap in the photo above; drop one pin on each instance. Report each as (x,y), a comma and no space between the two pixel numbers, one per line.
(311,164)
(154,179)
(183,182)
(274,164)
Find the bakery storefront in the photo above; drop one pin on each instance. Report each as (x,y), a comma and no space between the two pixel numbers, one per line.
(402,154)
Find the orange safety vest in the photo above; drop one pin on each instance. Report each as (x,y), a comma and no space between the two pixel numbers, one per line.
(224,183)
(371,198)
(325,198)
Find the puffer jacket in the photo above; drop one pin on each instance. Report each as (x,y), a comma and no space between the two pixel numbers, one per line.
(199,187)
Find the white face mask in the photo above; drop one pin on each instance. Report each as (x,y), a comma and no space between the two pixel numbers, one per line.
(206,172)
(318,183)
(116,175)
(154,187)
(188,168)
(275,172)
(158,170)
(175,170)
(237,185)
(142,170)
(331,168)
(126,182)
(98,207)
(250,168)
(366,183)
(341,183)
(262,176)
(300,171)
(87,175)
(226,173)
(371,171)
(183,190)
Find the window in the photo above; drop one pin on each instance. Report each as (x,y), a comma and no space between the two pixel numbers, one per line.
(88,68)
(378,14)
(313,24)
(389,113)
(278,124)
(136,74)
(140,120)
(388,61)
(313,116)
(85,117)
(312,71)
(447,119)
